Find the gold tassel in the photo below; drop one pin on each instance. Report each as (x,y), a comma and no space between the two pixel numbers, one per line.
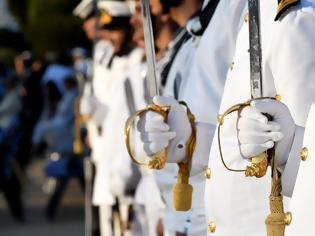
(182,190)
(77,144)
(277,219)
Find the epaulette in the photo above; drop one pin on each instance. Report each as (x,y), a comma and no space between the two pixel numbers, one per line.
(284,6)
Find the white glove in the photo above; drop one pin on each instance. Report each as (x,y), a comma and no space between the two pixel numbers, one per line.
(157,135)
(256,134)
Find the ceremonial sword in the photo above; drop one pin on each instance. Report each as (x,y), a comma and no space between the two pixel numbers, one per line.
(150,49)
(259,162)
(159,159)
(255,49)
(277,219)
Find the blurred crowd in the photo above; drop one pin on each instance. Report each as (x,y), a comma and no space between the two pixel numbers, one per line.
(71,106)
(40,98)
(37,115)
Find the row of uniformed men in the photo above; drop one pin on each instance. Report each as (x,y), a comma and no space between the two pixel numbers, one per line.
(208,67)
(115,92)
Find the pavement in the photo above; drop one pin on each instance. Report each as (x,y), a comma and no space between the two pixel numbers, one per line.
(70,216)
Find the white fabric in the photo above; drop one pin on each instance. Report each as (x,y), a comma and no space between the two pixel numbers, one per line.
(105,213)
(256,134)
(186,67)
(239,205)
(83,9)
(302,204)
(91,103)
(109,151)
(204,86)
(202,89)
(147,195)
(115,8)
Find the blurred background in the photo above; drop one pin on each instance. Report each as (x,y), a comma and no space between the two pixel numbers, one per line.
(41,46)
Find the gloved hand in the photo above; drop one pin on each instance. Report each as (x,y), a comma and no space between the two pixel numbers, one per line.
(256,134)
(157,135)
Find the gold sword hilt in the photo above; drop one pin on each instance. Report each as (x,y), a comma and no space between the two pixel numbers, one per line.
(182,190)
(259,163)
(158,160)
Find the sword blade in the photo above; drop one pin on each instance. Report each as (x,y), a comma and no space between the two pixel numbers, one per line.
(255,49)
(150,49)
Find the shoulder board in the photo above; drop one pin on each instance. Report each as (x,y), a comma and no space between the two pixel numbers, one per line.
(284,6)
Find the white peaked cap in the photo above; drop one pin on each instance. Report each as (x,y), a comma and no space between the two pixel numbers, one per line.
(117,8)
(84,9)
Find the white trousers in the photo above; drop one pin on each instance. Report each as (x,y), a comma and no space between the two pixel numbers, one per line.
(105,220)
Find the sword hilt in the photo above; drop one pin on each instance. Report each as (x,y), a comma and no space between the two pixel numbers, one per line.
(158,160)
(260,163)
(182,190)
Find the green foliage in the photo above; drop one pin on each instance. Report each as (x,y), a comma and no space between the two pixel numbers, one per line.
(49,24)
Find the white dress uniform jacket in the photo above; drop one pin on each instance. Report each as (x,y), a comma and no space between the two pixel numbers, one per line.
(239,205)
(147,192)
(192,222)
(91,104)
(112,161)
(302,204)
(204,83)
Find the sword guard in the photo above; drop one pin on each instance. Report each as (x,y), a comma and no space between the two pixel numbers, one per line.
(260,163)
(158,160)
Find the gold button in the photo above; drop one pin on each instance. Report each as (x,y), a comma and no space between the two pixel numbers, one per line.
(246,17)
(288,218)
(208,173)
(278,97)
(212,227)
(304,154)
(232,66)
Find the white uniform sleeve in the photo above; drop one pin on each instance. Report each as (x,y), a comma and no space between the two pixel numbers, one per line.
(205,133)
(291,169)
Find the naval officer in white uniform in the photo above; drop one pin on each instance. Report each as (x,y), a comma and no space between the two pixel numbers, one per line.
(241,206)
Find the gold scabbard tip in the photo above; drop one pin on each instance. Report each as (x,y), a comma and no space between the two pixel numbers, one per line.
(212,227)
(208,173)
(288,218)
(304,154)
(220,119)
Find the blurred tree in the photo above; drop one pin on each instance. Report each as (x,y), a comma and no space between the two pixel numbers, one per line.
(49,25)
